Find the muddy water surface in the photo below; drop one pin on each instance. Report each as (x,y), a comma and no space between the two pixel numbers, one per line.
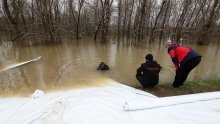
(73,64)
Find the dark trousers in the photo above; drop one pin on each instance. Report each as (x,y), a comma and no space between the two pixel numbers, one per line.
(183,72)
(143,82)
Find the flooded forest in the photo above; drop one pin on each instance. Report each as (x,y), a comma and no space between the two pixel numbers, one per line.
(32,22)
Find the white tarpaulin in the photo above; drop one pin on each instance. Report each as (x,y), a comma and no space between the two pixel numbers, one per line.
(106,105)
(170,101)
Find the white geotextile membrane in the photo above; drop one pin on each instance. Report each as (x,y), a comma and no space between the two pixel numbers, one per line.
(170,101)
(106,105)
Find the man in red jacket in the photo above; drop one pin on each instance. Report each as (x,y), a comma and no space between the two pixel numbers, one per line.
(184,59)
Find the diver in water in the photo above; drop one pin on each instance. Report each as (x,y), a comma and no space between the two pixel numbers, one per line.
(103,67)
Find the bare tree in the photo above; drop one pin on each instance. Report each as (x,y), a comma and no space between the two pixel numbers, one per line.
(105,19)
(164,20)
(131,9)
(119,17)
(141,20)
(12,17)
(181,20)
(48,20)
(156,20)
(210,20)
(76,16)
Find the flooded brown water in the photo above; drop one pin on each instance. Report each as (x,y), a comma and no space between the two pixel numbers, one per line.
(74,64)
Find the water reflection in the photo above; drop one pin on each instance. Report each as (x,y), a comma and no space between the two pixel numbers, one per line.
(74,64)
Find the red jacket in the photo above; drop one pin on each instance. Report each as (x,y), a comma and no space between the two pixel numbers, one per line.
(180,54)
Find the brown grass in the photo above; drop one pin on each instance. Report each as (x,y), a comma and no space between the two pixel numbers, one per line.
(189,87)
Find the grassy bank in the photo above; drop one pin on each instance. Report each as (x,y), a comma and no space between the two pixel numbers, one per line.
(189,87)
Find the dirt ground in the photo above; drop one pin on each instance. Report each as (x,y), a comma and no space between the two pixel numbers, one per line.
(189,87)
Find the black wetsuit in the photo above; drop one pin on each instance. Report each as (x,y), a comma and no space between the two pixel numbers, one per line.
(103,67)
(148,74)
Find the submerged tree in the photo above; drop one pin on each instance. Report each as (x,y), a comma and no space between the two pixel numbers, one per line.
(48,21)
(210,22)
(13,18)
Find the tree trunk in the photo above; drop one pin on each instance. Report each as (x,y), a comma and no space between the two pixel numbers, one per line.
(106,13)
(141,21)
(12,20)
(97,30)
(156,21)
(180,22)
(129,20)
(164,20)
(205,29)
(119,17)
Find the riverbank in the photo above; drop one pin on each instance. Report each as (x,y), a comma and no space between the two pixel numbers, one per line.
(189,87)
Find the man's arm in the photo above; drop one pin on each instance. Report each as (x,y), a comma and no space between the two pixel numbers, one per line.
(159,66)
(139,70)
(174,58)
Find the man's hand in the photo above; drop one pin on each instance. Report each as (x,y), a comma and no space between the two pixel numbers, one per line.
(177,66)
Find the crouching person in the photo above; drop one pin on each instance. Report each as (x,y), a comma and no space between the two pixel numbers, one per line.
(148,73)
